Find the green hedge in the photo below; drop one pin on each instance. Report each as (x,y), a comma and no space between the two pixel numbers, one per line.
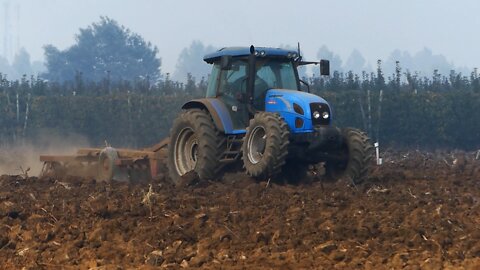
(132,120)
(408,119)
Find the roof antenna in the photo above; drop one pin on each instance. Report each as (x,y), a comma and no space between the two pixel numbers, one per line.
(299,55)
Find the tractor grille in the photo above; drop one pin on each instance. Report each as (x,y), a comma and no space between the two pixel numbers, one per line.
(321,108)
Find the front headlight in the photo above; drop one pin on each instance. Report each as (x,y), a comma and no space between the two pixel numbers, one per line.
(316,115)
(325,115)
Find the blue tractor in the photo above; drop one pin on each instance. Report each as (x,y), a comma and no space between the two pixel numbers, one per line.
(256,112)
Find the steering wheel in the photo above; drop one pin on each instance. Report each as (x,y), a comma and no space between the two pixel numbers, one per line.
(260,84)
(240,84)
(235,90)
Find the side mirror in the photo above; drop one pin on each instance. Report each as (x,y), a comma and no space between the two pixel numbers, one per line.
(324,67)
(226,62)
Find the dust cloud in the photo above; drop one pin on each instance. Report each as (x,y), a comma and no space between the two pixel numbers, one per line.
(25,157)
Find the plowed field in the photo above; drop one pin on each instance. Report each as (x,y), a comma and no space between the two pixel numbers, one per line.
(418,211)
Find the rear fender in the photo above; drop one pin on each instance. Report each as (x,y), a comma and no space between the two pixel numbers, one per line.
(218,111)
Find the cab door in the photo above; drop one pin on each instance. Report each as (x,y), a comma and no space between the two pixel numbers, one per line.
(232,90)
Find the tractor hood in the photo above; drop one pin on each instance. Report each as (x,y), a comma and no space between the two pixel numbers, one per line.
(292,104)
(284,99)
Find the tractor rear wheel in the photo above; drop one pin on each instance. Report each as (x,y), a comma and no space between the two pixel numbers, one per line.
(265,145)
(357,151)
(196,145)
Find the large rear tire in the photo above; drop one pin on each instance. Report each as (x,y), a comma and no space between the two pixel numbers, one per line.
(358,153)
(195,145)
(265,145)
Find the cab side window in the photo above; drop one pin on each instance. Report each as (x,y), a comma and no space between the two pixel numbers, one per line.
(213,81)
(232,89)
(265,79)
(233,82)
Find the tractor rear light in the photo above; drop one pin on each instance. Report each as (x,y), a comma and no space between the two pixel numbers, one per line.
(298,122)
(298,109)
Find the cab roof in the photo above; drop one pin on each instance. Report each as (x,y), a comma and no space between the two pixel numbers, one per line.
(244,51)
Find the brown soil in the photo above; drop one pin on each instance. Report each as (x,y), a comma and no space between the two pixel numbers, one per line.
(418,211)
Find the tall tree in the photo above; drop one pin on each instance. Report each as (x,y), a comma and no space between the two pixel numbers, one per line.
(104,50)
(335,63)
(355,62)
(5,68)
(427,62)
(21,63)
(191,61)
(405,60)
(423,61)
(335,60)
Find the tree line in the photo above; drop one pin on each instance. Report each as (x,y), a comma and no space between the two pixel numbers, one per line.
(402,110)
(108,49)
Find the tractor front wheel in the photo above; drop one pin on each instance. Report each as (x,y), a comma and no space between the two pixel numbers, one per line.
(357,152)
(265,145)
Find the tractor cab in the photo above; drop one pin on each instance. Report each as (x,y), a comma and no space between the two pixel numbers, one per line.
(242,83)
(241,78)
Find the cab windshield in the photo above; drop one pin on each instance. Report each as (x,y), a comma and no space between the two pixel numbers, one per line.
(270,73)
(275,73)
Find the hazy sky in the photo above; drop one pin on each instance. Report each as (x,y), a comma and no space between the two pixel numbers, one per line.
(374,27)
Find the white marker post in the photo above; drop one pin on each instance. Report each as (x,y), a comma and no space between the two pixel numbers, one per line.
(377,153)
